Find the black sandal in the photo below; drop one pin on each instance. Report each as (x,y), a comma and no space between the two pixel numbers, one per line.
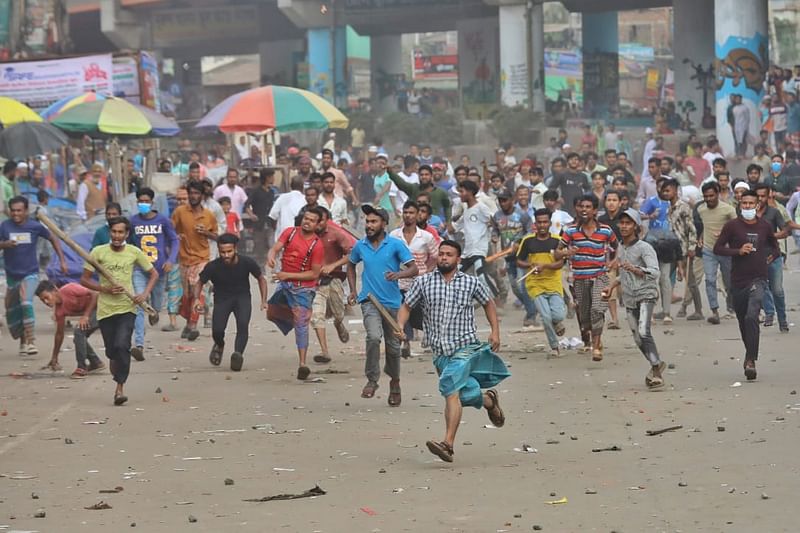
(369,389)
(215,357)
(496,415)
(394,393)
(442,450)
(120,399)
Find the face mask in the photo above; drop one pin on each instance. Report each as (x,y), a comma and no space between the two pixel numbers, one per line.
(776,167)
(748,214)
(144,208)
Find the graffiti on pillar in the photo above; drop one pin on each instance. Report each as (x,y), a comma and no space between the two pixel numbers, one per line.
(740,69)
(600,83)
(478,69)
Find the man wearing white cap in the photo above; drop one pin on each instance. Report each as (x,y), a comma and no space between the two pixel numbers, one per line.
(649,148)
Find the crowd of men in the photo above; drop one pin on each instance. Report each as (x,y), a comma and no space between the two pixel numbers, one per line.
(569,234)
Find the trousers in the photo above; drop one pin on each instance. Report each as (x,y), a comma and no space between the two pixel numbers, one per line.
(377,328)
(553,310)
(117,331)
(156,300)
(84,350)
(639,320)
(774,298)
(747,302)
(241,307)
(711,264)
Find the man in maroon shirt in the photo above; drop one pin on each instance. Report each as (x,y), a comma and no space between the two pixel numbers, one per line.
(751,243)
(329,300)
(73,300)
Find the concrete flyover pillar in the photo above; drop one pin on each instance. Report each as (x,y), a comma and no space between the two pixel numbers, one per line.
(693,39)
(321,77)
(478,66)
(742,60)
(277,59)
(600,33)
(513,56)
(386,71)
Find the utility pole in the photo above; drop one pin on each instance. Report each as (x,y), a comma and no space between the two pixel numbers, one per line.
(333,53)
(536,86)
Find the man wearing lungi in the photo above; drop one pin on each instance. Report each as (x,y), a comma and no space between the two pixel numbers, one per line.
(464,364)
(18,238)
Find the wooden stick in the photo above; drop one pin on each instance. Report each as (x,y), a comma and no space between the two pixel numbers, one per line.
(384,313)
(88,258)
(654,432)
(498,255)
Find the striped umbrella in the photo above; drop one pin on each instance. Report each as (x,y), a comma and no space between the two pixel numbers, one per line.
(68,102)
(115,116)
(13,112)
(273,107)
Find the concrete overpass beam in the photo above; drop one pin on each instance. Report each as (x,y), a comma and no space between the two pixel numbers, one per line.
(600,64)
(121,26)
(742,60)
(693,40)
(386,69)
(305,13)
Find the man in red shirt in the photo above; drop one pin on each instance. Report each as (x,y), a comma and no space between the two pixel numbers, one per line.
(301,263)
(329,300)
(73,300)
(697,167)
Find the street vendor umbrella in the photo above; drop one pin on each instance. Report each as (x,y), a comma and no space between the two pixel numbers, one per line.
(27,139)
(115,116)
(273,107)
(12,112)
(69,102)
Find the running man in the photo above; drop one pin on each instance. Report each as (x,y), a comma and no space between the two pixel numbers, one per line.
(174,287)
(73,300)
(116,313)
(536,254)
(329,300)
(425,250)
(751,243)
(464,364)
(301,265)
(639,275)
(197,226)
(386,260)
(154,234)
(714,215)
(230,275)
(586,243)
(19,236)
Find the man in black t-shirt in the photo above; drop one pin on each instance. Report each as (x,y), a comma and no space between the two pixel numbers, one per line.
(230,274)
(260,199)
(572,183)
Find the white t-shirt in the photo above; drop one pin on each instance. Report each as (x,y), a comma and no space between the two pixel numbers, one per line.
(337,208)
(237,195)
(558,220)
(413,103)
(285,209)
(537,195)
(475,226)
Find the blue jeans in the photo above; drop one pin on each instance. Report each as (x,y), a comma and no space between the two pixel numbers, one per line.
(774,299)
(553,310)
(712,263)
(156,300)
(519,289)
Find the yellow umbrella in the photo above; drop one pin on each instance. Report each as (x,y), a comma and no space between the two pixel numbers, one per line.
(12,112)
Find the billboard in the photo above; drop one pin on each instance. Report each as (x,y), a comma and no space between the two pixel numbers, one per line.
(434,67)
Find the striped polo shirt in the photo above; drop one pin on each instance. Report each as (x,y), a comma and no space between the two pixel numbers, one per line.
(589,260)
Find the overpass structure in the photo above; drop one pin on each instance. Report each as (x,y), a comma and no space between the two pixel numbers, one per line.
(497,41)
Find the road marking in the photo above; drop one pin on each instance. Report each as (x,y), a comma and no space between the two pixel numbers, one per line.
(24,437)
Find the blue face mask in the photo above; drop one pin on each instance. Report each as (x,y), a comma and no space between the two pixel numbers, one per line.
(144,208)
(775,166)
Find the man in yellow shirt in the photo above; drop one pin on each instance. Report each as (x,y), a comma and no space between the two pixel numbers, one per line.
(543,279)
(116,312)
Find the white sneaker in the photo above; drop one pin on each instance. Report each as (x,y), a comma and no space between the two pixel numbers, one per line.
(32,349)
(23,349)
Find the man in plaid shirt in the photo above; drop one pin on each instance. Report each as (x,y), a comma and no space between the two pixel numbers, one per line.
(464,364)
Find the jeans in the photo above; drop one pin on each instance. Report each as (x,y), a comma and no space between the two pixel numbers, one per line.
(140,280)
(665,286)
(553,310)
(640,319)
(117,331)
(747,302)
(519,289)
(377,327)
(774,298)
(241,307)
(712,263)
(83,350)
(694,276)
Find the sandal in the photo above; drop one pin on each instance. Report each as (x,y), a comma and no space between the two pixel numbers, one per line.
(597,355)
(322,359)
(96,369)
(79,373)
(442,450)
(613,325)
(369,389)
(750,369)
(496,415)
(303,373)
(655,383)
(662,366)
(394,393)
(120,399)
(560,328)
(55,367)
(341,330)
(215,357)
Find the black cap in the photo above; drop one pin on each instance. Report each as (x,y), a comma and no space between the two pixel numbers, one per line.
(504,194)
(369,209)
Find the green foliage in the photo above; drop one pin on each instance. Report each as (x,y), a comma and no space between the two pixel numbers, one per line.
(518,125)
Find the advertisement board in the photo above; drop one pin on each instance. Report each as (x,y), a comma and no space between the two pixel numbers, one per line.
(435,67)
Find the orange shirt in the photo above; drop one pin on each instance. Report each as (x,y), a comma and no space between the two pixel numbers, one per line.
(195,248)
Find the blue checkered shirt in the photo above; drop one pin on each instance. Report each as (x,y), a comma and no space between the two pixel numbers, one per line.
(447,308)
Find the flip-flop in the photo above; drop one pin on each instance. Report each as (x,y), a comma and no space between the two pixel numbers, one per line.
(655,383)
(597,355)
(303,373)
(322,359)
(560,328)
(442,450)
(341,330)
(394,394)
(496,415)
(215,357)
(369,389)
(120,399)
